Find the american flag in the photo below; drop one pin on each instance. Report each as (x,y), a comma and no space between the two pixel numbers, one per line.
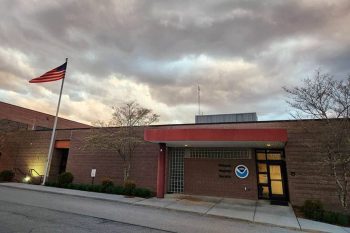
(52,75)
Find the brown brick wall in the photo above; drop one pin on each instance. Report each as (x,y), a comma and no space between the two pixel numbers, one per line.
(108,163)
(28,150)
(202,178)
(312,181)
(312,178)
(31,117)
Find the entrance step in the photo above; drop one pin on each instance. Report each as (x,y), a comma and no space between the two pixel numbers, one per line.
(279,202)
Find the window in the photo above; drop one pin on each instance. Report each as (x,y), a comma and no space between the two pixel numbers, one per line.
(261,156)
(219,153)
(274,156)
(262,167)
(263,179)
(176,170)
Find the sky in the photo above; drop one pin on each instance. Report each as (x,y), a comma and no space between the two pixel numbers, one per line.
(157,52)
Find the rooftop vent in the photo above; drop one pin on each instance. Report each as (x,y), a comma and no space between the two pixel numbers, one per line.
(226,118)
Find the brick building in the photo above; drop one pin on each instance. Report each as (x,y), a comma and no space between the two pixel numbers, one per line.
(31,119)
(243,159)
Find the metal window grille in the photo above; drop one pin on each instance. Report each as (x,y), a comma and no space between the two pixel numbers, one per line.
(176,166)
(220,153)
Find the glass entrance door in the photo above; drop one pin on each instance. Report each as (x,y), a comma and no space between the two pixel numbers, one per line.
(276,181)
(271,175)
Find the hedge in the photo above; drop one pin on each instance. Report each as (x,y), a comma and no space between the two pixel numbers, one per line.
(111,189)
(7,175)
(313,209)
(65,178)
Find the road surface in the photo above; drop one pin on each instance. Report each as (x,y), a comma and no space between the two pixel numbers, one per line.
(32,211)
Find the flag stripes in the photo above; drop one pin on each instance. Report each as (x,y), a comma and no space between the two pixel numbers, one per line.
(52,75)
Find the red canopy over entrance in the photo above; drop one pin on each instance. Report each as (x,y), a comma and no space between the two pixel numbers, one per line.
(217,137)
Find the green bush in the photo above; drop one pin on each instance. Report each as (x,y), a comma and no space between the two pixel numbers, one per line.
(51,184)
(90,187)
(84,187)
(73,186)
(142,192)
(108,189)
(65,178)
(69,186)
(343,219)
(313,209)
(129,187)
(330,217)
(118,190)
(107,182)
(7,175)
(97,188)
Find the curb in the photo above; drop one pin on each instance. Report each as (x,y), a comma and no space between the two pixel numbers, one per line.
(70,194)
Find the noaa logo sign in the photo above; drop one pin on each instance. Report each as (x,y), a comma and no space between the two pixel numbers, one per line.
(241,171)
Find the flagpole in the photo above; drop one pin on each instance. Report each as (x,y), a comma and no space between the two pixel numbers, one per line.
(49,156)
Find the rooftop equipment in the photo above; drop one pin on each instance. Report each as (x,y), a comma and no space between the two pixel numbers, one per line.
(226,118)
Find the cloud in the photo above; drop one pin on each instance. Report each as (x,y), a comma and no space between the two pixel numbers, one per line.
(156,52)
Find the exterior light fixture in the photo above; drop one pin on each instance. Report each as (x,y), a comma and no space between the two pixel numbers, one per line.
(27,179)
(186,145)
(268,145)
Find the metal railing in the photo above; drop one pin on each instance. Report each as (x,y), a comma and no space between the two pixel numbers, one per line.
(37,174)
(20,174)
(19,171)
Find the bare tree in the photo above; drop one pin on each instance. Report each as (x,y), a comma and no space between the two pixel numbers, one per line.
(124,139)
(327,99)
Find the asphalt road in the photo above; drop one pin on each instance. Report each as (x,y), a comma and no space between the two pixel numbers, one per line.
(32,211)
(24,218)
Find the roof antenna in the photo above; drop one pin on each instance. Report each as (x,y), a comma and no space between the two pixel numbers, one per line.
(199,100)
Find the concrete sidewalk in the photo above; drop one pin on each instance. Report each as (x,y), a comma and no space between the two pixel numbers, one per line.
(247,210)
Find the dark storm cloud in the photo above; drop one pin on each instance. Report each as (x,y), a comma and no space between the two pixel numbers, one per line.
(240,52)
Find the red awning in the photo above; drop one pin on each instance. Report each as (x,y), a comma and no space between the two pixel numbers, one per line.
(216,137)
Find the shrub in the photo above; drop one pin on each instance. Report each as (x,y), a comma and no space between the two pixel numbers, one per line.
(90,187)
(7,175)
(107,182)
(343,219)
(118,190)
(142,192)
(129,187)
(313,209)
(84,187)
(70,186)
(109,189)
(330,217)
(65,178)
(335,218)
(51,184)
(97,188)
(75,186)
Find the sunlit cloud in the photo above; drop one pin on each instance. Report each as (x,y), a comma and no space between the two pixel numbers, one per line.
(157,52)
